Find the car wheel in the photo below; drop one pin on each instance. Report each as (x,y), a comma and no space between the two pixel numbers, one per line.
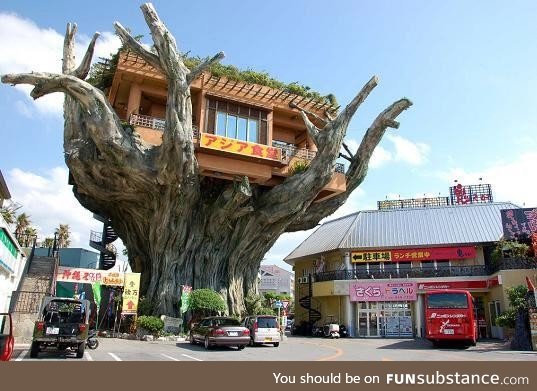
(80,350)
(34,350)
(207,344)
(240,347)
(276,344)
(192,340)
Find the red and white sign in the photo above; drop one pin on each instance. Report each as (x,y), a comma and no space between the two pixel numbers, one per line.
(89,276)
(383,291)
(427,254)
(467,284)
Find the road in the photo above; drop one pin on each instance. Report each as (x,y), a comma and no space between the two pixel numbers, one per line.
(292,349)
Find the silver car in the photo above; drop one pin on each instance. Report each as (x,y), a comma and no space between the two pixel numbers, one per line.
(263,329)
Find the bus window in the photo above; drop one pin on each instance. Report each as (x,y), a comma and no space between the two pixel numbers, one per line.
(447,300)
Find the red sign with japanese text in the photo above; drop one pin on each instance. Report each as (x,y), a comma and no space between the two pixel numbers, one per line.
(220,143)
(383,291)
(427,254)
(467,284)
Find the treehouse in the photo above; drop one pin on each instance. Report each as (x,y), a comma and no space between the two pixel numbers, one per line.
(239,129)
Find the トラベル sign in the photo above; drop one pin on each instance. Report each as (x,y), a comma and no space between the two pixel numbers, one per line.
(383,291)
(225,144)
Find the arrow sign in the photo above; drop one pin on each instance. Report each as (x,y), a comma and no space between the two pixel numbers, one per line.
(130,305)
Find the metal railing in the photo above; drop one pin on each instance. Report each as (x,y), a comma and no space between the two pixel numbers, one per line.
(417,272)
(147,122)
(452,271)
(27,302)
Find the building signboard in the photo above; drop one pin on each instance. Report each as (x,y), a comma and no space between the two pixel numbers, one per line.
(131,293)
(225,144)
(415,254)
(464,284)
(470,194)
(89,276)
(383,291)
(518,223)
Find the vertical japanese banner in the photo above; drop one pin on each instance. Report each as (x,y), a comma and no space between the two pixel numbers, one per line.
(131,292)
(96,287)
(185,298)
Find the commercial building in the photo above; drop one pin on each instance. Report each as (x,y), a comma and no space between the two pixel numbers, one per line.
(370,270)
(12,258)
(238,128)
(274,279)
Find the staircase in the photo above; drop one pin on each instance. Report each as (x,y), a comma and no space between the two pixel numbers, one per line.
(305,302)
(102,241)
(37,281)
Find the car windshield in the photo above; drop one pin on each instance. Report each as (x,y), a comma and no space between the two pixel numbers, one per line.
(226,322)
(267,323)
(64,312)
(447,300)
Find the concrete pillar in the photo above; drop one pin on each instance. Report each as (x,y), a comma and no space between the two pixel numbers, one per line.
(418,316)
(348,313)
(135,97)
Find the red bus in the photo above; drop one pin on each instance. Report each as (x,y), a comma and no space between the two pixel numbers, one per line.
(450,317)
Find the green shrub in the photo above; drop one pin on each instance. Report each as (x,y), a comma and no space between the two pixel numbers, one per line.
(206,302)
(299,166)
(151,323)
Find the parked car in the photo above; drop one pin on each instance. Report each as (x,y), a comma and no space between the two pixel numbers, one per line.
(263,329)
(7,341)
(220,331)
(63,323)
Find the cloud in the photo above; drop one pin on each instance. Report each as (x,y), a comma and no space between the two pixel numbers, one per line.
(408,151)
(380,157)
(49,201)
(511,181)
(27,47)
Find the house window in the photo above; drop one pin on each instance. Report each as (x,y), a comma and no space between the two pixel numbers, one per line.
(228,119)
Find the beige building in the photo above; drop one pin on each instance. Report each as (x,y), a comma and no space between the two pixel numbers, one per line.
(274,279)
(398,255)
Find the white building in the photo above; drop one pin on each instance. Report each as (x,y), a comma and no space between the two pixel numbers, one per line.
(12,258)
(276,280)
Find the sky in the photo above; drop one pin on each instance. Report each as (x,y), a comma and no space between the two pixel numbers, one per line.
(470,68)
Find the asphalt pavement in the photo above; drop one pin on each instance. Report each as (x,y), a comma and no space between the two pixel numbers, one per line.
(293,348)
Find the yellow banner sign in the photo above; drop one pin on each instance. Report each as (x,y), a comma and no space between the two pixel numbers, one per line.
(225,144)
(371,256)
(131,291)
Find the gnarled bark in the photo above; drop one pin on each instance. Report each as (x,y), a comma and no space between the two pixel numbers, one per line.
(181,228)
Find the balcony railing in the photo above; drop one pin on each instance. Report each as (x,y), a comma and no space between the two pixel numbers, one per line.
(288,151)
(450,271)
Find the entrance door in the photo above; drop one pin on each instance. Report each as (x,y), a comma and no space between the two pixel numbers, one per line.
(368,320)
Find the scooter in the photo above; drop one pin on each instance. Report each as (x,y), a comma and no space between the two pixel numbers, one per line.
(92,342)
(331,330)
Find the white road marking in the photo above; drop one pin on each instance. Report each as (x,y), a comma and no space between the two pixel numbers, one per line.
(21,356)
(114,356)
(170,357)
(193,358)
(88,356)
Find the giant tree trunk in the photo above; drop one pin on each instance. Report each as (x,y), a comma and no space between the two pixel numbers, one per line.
(179,227)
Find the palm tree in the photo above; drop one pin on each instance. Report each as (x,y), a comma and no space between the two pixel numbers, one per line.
(23,222)
(30,233)
(48,243)
(9,212)
(63,235)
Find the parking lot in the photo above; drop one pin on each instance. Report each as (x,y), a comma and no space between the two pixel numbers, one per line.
(291,349)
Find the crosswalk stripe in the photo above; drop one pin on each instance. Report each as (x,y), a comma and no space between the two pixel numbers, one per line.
(88,356)
(170,357)
(21,356)
(114,356)
(193,358)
